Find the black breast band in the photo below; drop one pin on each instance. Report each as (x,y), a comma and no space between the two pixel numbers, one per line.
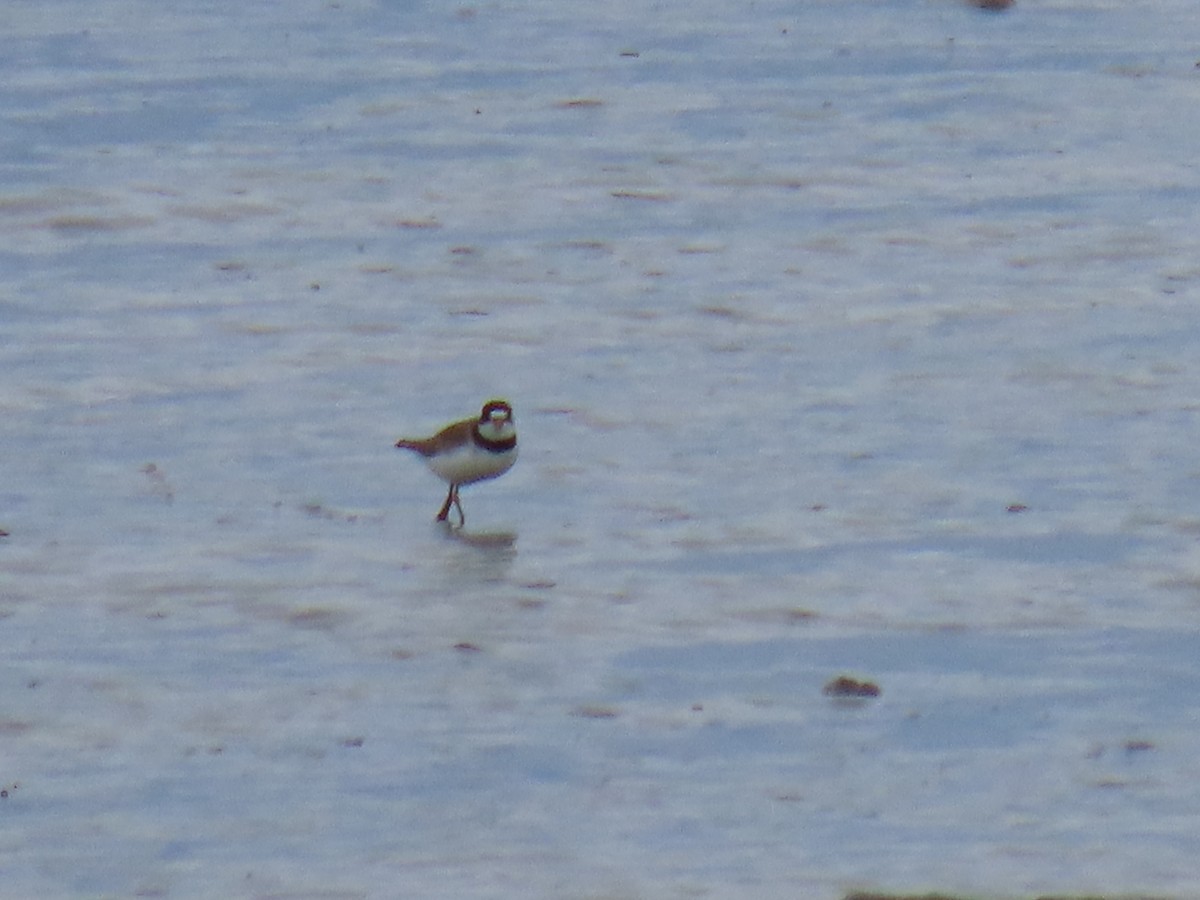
(492,446)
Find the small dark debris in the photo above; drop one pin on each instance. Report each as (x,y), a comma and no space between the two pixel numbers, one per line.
(467,647)
(580,103)
(353,742)
(845,686)
(1016,508)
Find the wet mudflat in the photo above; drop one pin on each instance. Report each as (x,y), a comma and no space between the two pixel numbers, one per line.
(852,545)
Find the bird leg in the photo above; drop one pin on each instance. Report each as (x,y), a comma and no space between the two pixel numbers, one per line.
(462,517)
(452,500)
(444,512)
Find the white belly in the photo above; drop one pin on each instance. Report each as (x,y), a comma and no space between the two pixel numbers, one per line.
(471,463)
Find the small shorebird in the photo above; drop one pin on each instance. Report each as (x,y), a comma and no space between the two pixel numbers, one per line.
(469,451)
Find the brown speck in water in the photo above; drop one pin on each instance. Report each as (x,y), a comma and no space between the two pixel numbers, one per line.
(314,617)
(81,223)
(654,196)
(418,223)
(846,687)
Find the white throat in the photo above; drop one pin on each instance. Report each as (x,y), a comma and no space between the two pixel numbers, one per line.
(496,429)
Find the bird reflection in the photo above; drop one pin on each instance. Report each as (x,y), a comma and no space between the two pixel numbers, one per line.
(477,557)
(483,540)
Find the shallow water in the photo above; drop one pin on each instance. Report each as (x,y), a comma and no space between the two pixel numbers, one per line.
(843,337)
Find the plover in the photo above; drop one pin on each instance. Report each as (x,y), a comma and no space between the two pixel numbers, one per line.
(469,451)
